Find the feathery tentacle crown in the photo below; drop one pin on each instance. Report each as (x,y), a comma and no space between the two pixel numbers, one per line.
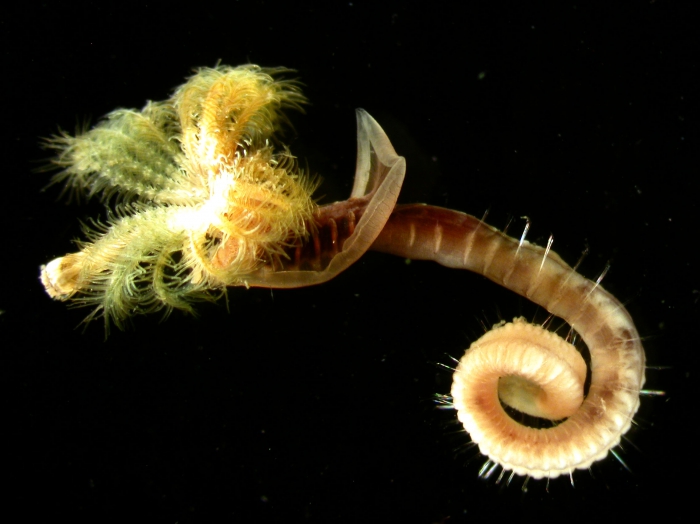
(202,197)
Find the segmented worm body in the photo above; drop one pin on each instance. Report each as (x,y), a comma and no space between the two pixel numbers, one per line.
(551,371)
(206,203)
(461,241)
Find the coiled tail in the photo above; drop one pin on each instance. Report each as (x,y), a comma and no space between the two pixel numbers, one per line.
(525,366)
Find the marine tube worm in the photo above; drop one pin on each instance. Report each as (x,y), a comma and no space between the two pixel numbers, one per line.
(204,200)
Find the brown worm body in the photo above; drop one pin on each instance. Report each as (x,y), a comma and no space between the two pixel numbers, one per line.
(593,426)
(209,203)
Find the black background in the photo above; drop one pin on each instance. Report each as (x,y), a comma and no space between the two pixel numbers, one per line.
(317,404)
